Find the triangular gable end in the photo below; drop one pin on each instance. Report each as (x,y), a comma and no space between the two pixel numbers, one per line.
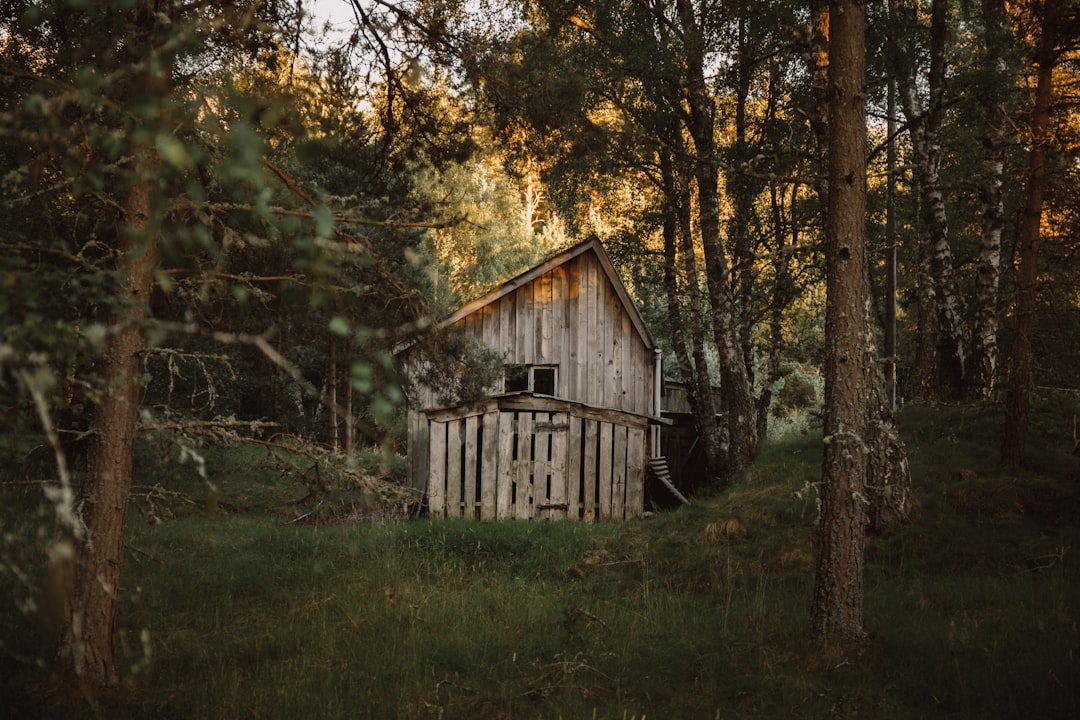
(593,244)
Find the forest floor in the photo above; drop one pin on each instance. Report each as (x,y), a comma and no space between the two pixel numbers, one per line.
(236,605)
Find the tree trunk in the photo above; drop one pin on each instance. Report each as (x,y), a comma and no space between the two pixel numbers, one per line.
(86,645)
(782,293)
(332,389)
(837,610)
(890,224)
(349,422)
(742,190)
(693,364)
(739,408)
(926,147)
(1017,398)
(982,366)
(921,380)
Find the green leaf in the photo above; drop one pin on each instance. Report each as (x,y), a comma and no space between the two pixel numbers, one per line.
(324,221)
(340,326)
(174,152)
(362,377)
(382,409)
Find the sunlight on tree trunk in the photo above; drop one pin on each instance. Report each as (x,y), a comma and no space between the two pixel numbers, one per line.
(1018,398)
(739,406)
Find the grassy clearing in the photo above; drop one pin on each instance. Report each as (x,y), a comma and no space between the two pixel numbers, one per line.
(236,611)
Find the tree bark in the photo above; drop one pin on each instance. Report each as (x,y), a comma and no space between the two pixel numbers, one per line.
(332,390)
(926,147)
(921,381)
(890,222)
(741,188)
(693,363)
(1017,400)
(981,379)
(837,610)
(782,293)
(86,645)
(349,422)
(739,407)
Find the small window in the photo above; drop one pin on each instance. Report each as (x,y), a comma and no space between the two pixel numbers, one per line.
(540,379)
(543,381)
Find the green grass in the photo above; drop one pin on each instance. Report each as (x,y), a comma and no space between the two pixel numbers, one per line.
(972,608)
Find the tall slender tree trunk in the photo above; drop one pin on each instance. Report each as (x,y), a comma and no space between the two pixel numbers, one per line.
(349,422)
(693,363)
(982,365)
(1017,399)
(890,221)
(782,293)
(86,646)
(837,610)
(332,398)
(922,378)
(739,408)
(926,147)
(741,189)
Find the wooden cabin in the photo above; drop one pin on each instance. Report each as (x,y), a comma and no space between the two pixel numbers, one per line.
(572,427)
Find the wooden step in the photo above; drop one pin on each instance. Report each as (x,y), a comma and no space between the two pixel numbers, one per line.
(659,468)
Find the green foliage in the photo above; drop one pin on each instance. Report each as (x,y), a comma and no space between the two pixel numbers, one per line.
(690,613)
(799,393)
(456,365)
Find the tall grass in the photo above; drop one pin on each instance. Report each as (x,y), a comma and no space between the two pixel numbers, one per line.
(695,613)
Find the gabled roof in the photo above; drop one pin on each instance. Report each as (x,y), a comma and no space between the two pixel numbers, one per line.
(590,244)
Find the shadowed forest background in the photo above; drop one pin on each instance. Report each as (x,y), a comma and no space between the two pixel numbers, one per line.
(222,221)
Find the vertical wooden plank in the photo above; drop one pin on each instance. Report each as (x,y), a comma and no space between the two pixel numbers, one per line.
(618,397)
(526,320)
(523,495)
(540,467)
(635,472)
(419,450)
(474,325)
(579,354)
(560,329)
(489,465)
(594,391)
(543,312)
(575,437)
(632,390)
(608,318)
(453,468)
(506,342)
(604,471)
(618,472)
(557,465)
(591,470)
(437,470)
(469,497)
(505,473)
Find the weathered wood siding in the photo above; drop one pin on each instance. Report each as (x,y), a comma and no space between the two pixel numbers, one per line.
(526,457)
(570,317)
(580,461)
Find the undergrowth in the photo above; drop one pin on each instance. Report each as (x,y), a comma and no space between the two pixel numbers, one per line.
(238,609)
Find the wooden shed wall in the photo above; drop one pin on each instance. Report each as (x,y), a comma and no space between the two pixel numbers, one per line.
(526,457)
(571,317)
